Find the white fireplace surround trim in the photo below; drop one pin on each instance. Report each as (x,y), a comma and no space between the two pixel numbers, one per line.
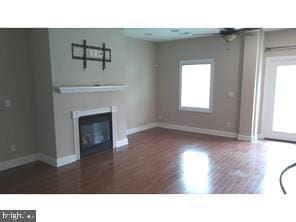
(79,113)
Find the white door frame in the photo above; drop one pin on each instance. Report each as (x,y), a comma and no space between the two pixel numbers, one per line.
(268,97)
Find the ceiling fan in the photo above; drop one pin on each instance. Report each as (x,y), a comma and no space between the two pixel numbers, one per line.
(228,34)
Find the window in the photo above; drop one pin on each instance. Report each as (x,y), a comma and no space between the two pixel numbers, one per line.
(196,80)
(284,111)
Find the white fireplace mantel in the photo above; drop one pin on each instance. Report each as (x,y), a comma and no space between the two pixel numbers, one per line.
(88,89)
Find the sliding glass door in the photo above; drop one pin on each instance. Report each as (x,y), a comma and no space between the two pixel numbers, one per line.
(280,98)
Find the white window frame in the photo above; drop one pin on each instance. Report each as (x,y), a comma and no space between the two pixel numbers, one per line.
(197,62)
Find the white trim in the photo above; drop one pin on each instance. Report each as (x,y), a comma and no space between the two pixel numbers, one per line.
(7,164)
(281,58)
(194,109)
(28,159)
(265,95)
(38,157)
(72,158)
(198,130)
(195,62)
(268,97)
(255,138)
(66,160)
(114,125)
(141,128)
(4,165)
(88,89)
(47,159)
(122,142)
(244,137)
(79,113)
(258,86)
(57,162)
(260,136)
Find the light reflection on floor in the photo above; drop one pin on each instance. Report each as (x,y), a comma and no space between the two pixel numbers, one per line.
(278,160)
(195,167)
(201,174)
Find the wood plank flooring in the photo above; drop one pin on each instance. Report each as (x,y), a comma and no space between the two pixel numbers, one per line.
(162,161)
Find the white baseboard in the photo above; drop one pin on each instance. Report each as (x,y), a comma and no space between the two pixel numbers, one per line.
(57,162)
(122,142)
(66,160)
(244,137)
(47,159)
(141,128)
(7,164)
(4,165)
(250,138)
(198,130)
(260,136)
(72,158)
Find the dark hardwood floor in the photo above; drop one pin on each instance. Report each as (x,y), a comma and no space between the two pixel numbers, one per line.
(162,161)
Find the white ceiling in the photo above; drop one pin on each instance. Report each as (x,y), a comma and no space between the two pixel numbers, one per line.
(168,34)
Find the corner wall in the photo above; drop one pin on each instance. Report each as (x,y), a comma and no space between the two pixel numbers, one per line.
(227,77)
(140,60)
(16,122)
(43,98)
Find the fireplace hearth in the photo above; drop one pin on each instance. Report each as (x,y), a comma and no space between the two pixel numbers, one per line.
(95,133)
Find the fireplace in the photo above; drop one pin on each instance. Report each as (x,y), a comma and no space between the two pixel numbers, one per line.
(95,133)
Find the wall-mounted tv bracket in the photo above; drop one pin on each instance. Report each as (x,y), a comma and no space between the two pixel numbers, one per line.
(93,53)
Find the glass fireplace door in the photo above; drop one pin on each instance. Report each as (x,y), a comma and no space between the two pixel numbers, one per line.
(95,133)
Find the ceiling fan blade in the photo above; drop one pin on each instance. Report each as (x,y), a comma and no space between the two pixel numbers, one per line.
(205,34)
(247,29)
(227,31)
(230,31)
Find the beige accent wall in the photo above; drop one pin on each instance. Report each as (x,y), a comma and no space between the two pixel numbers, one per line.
(66,71)
(42,97)
(140,60)
(227,77)
(16,123)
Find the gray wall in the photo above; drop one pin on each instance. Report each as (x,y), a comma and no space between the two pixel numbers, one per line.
(66,71)
(16,123)
(280,38)
(227,77)
(140,60)
(32,62)
(43,97)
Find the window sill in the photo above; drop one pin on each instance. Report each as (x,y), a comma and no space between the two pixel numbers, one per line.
(197,110)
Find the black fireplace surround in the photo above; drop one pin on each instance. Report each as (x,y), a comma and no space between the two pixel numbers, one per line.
(95,133)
